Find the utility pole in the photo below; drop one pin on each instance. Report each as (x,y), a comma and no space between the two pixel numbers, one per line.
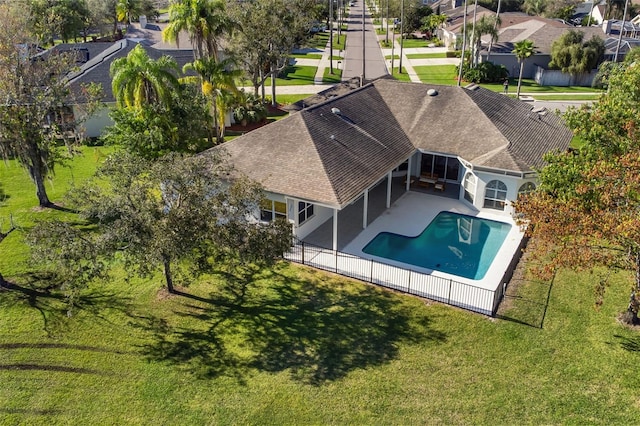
(331,37)
(363,47)
(464,43)
(624,17)
(393,47)
(387,19)
(401,34)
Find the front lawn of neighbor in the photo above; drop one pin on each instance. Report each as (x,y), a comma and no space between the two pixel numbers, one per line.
(292,345)
(336,77)
(437,74)
(295,75)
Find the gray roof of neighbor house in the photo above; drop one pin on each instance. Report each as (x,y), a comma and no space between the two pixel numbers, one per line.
(516,26)
(331,152)
(97,68)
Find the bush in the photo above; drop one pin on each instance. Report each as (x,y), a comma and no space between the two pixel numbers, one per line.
(453,53)
(485,72)
(250,109)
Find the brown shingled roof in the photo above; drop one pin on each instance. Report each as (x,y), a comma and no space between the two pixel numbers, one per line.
(331,152)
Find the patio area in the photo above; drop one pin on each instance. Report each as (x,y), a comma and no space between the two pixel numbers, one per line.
(350,218)
(410,213)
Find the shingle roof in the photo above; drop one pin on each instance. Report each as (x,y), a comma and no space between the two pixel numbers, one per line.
(97,69)
(331,152)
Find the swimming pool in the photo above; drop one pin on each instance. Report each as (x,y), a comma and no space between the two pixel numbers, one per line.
(453,243)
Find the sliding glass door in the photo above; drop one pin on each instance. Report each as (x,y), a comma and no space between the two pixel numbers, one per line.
(441,165)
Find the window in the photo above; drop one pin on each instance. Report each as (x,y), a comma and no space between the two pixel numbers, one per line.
(527,188)
(495,195)
(305,212)
(469,187)
(270,210)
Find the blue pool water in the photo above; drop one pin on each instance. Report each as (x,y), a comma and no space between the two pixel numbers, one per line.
(453,243)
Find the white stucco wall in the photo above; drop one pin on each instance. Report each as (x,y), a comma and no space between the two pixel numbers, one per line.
(513,184)
(320,215)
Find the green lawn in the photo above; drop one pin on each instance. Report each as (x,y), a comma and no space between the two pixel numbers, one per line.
(307,55)
(290,99)
(292,345)
(530,86)
(413,42)
(295,75)
(402,77)
(336,77)
(426,55)
(437,74)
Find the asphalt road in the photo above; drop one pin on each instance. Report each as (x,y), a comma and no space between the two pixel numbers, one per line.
(374,64)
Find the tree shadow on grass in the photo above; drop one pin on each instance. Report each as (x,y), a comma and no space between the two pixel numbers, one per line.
(318,330)
(631,344)
(41,293)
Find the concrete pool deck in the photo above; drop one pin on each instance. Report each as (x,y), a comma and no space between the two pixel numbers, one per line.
(410,214)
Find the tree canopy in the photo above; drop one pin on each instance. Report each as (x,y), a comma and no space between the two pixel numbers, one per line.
(37,124)
(177,215)
(585,211)
(573,56)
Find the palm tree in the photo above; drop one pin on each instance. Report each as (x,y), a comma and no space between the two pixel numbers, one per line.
(523,50)
(138,80)
(206,21)
(486,25)
(126,9)
(217,83)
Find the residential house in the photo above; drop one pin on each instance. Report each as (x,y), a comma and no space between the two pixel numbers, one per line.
(483,146)
(96,69)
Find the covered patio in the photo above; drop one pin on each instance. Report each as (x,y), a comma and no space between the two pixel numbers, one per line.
(350,219)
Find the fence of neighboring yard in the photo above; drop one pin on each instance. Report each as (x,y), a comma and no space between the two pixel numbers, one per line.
(440,289)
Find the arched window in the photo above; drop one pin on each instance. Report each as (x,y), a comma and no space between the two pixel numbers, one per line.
(495,195)
(527,188)
(469,187)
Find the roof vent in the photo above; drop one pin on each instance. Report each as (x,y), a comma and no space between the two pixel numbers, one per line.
(471,86)
(540,110)
(432,92)
(336,111)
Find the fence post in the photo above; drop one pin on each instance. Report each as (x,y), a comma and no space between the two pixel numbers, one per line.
(335,253)
(303,252)
(371,272)
(409,283)
(449,296)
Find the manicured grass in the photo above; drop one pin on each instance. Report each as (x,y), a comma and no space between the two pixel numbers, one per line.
(290,99)
(336,77)
(413,42)
(392,56)
(530,86)
(307,55)
(401,77)
(437,74)
(426,55)
(295,75)
(339,42)
(291,345)
(319,40)
(576,97)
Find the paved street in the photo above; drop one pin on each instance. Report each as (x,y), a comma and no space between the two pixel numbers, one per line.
(374,65)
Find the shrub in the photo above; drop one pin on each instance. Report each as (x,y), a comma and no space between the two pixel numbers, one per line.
(485,72)
(250,109)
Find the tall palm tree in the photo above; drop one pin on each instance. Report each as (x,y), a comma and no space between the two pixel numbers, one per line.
(217,82)
(486,25)
(138,80)
(523,49)
(206,21)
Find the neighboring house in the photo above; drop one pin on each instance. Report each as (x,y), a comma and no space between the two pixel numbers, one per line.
(97,70)
(543,32)
(451,32)
(316,162)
